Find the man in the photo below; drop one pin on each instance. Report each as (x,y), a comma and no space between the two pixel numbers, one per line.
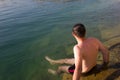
(85,54)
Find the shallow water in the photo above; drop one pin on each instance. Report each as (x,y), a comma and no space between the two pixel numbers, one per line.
(31,29)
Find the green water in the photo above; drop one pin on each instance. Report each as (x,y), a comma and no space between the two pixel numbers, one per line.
(32,29)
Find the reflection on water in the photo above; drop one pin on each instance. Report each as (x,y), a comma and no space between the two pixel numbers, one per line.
(31,29)
(58,0)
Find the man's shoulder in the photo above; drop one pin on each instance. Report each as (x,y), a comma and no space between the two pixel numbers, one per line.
(76,46)
(93,39)
(77,50)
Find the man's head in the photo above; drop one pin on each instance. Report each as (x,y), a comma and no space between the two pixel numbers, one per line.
(79,30)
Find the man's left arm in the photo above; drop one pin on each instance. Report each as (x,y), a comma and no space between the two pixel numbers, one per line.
(78,63)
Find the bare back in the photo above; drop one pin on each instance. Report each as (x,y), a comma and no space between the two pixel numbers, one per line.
(90,48)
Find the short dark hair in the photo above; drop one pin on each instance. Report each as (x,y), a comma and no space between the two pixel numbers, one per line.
(79,30)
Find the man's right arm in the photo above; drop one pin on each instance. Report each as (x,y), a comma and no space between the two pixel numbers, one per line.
(105,53)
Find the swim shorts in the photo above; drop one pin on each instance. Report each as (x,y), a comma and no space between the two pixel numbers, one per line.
(71,69)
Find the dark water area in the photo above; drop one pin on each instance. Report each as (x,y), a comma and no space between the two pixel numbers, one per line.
(32,29)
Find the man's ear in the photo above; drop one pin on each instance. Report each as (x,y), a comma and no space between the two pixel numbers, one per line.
(73,34)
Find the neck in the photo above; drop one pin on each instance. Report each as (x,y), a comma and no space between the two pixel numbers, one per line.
(80,40)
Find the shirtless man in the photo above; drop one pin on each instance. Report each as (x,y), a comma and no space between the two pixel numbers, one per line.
(85,54)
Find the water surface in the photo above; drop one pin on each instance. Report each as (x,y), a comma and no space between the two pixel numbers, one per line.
(31,29)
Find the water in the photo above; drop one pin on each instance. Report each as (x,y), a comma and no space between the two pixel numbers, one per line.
(32,29)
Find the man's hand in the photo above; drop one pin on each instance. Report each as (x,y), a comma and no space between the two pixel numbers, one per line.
(105,65)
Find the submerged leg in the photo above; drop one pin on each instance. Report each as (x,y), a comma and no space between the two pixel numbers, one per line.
(61,61)
(60,70)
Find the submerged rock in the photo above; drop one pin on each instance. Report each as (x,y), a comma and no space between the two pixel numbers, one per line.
(111,72)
